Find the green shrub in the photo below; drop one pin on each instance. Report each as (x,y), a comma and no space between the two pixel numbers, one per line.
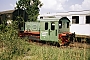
(14,45)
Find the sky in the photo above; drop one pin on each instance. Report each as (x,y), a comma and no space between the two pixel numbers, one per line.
(51,6)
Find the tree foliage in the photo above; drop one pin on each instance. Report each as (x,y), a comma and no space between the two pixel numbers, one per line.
(31,7)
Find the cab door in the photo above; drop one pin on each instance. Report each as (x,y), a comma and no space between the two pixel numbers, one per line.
(44,31)
(49,31)
(53,30)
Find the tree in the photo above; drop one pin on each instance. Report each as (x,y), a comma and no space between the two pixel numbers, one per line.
(31,7)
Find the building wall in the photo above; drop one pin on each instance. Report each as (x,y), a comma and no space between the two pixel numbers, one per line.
(82,28)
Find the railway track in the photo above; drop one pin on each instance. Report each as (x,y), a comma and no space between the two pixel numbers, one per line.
(79,45)
(71,45)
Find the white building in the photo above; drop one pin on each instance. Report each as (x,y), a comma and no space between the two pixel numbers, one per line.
(80,20)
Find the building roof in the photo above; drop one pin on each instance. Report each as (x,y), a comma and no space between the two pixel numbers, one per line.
(9,11)
(84,12)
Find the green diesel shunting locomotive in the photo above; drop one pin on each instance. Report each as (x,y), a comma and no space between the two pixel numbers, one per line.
(49,29)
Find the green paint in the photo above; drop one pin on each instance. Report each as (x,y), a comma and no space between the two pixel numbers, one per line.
(50,34)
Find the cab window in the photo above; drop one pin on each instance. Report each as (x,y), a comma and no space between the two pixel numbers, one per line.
(67,24)
(46,25)
(60,24)
(52,26)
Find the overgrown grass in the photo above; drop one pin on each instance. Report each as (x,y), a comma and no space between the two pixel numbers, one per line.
(54,53)
(37,52)
(14,48)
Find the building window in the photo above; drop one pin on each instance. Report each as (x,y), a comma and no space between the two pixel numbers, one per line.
(87,19)
(0,20)
(46,25)
(75,19)
(41,17)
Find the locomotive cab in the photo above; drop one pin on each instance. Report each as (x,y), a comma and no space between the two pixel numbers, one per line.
(64,24)
(65,37)
(55,30)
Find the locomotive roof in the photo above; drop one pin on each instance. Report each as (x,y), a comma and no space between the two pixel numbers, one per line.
(53,19)
(49,19)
